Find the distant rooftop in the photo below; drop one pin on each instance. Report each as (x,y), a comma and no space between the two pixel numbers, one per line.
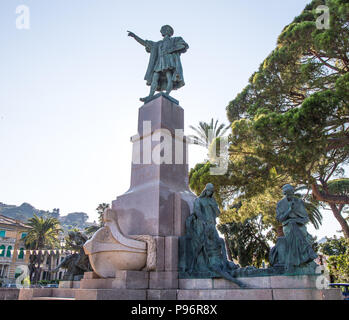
(12,222)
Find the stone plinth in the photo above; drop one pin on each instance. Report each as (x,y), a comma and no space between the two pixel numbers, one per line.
(158,201)
(69,284)
(122,280)
(272,282)
(141,285)
(9,293)
(175,294)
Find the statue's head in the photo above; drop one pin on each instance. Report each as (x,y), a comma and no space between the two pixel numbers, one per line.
(287,189)
(208,191)
(167,31)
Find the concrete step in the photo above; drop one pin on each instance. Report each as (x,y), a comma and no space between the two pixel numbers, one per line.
(63,293)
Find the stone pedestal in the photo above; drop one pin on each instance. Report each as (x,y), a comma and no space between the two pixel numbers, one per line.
(158,201)
(69,284)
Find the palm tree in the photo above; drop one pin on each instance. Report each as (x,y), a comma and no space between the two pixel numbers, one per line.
(207,132)
(43,234)
(100,210)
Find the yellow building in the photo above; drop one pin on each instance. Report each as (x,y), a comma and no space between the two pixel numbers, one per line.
(12,250)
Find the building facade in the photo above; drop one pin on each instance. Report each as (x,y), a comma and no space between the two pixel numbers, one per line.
(14,257)
(12,250)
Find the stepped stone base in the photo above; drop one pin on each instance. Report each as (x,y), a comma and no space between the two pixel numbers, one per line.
(181,294)
(35,293)
(141,285)
(69,284)
(9,293)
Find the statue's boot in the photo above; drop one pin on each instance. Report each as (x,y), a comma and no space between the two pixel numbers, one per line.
(145,99)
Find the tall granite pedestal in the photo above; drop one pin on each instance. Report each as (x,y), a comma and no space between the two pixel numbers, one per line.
(158,200)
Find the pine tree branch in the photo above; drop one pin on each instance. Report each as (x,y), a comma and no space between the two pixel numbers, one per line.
(327,197)
(325,63)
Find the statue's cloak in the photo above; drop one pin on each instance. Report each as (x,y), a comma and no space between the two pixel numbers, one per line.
(298,214)
(170,56)
(295,248)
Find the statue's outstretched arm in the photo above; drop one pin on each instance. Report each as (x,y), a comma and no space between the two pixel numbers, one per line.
(138,39)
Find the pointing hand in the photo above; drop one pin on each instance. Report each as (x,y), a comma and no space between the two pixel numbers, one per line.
(131,34)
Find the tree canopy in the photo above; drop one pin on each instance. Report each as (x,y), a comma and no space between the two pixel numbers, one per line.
(290,124)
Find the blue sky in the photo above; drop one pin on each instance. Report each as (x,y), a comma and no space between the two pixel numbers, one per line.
(70,87)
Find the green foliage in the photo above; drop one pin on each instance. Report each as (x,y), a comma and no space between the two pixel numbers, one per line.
(100,210)
(90,230)
(44,233)
(334,246)
(339,267)
(339,186)
(246,241)
(200,175)
(337,251)
(290,123)
(206,132)
(246,196)
(296,105)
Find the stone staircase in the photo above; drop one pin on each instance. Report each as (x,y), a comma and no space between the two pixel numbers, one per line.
(47,294)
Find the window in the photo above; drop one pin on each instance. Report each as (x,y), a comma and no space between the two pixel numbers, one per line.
(2,233)
(24,234)
(21,253)
(8,254)
(2,251)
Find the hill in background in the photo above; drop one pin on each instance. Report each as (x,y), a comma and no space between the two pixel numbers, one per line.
(25,211)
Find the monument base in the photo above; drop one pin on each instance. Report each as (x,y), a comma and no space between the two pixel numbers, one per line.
(261,288)
(69,284)
(143,285)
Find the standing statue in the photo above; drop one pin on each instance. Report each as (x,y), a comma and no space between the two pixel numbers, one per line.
(294,250)
(164,69)
(202,251)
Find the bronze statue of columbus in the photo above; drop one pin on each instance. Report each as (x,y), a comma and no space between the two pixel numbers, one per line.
(164,69)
